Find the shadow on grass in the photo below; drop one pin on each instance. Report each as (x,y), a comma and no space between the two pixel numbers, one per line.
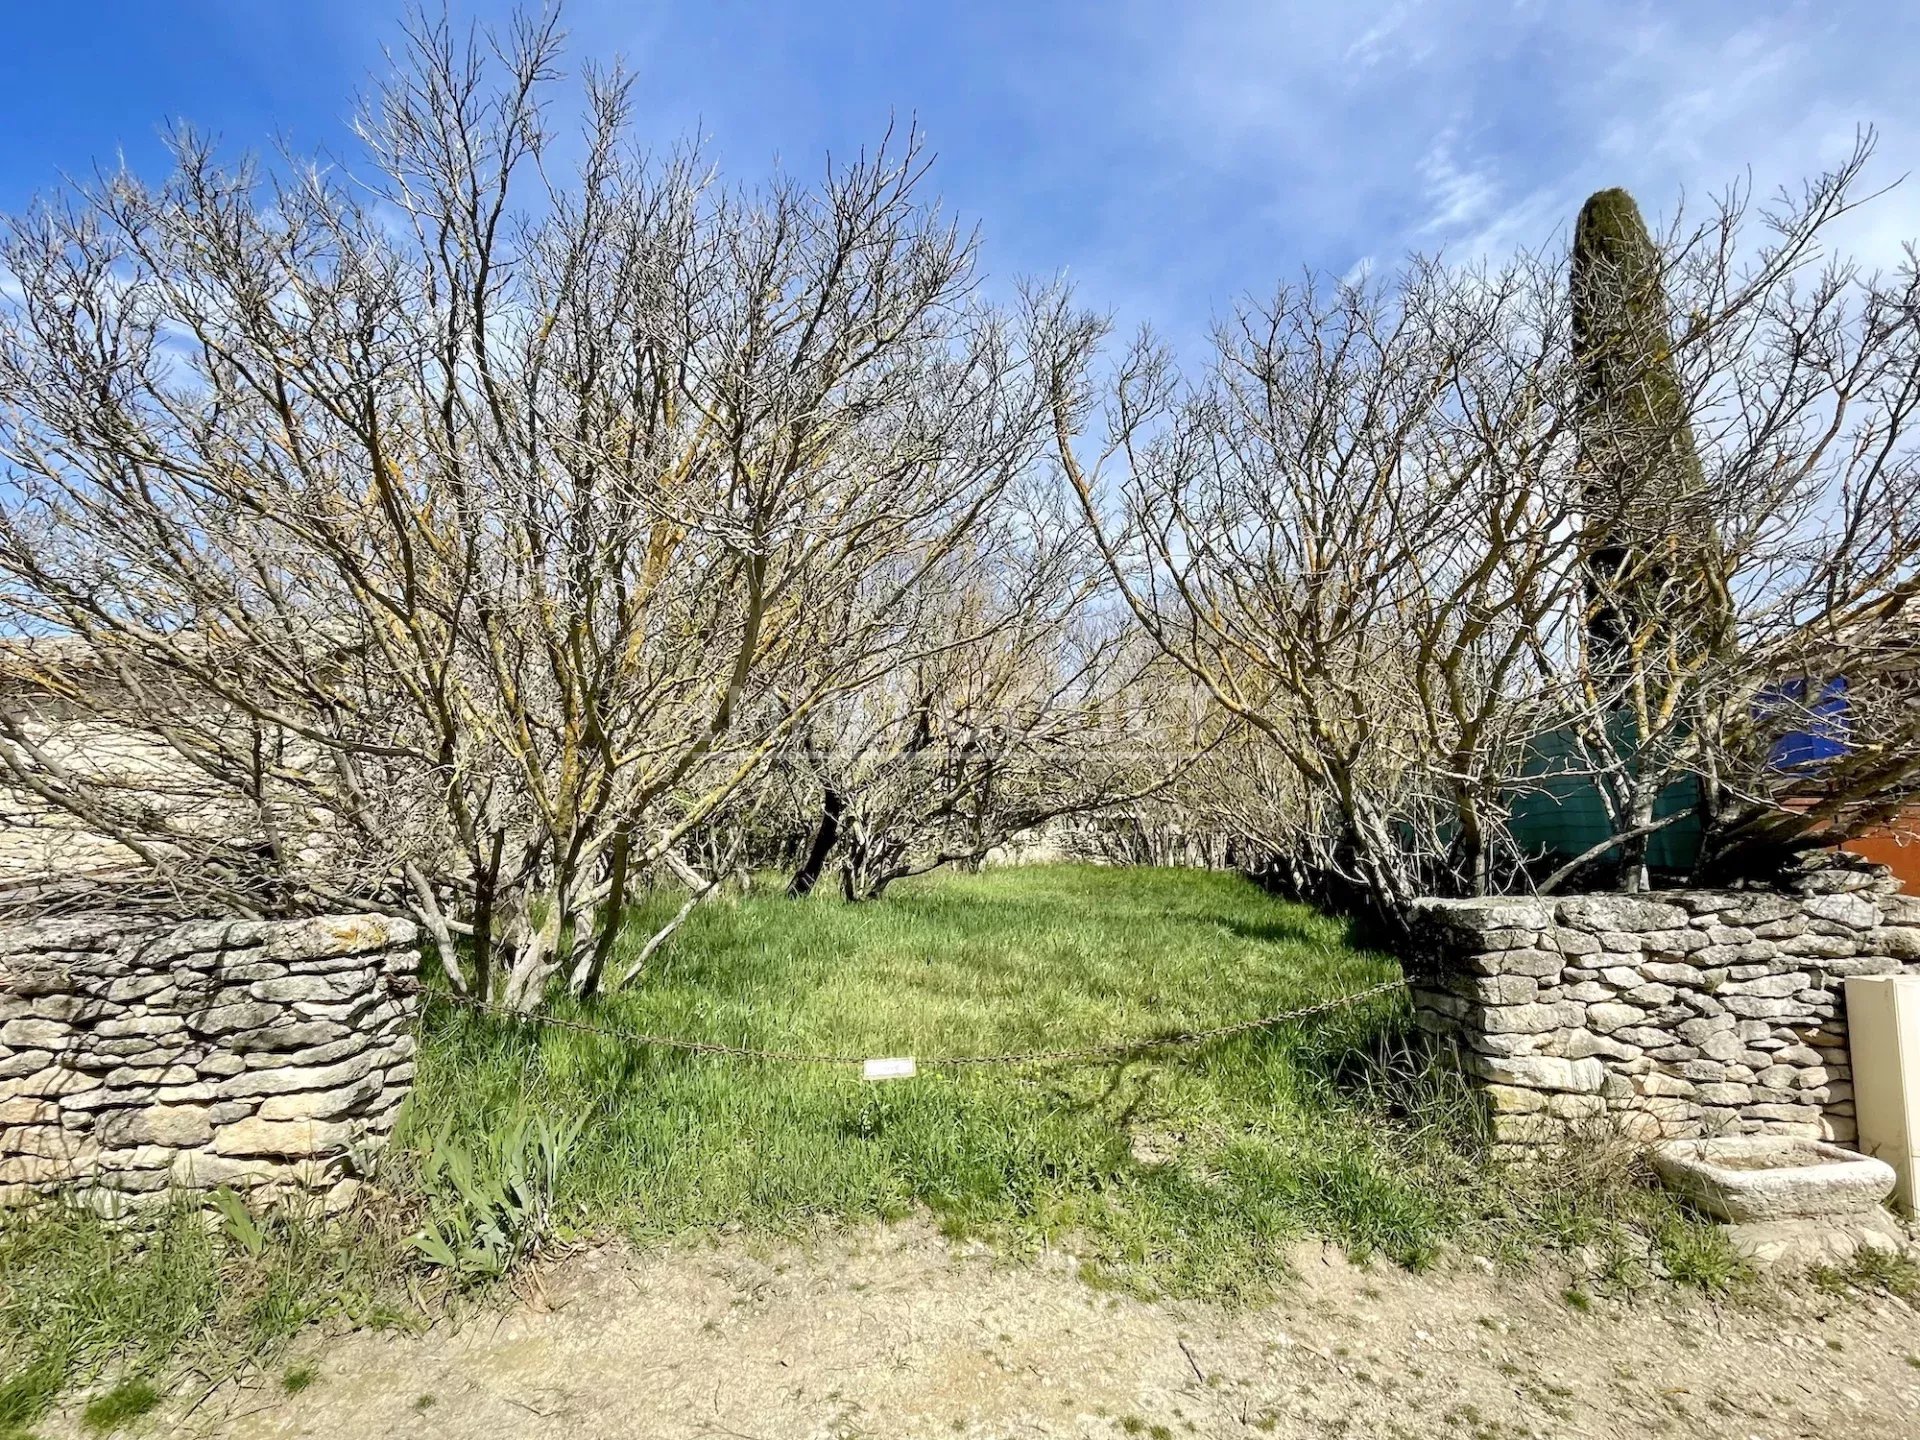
(1283,930)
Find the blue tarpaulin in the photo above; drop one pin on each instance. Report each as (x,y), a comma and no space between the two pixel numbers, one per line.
(1823,735)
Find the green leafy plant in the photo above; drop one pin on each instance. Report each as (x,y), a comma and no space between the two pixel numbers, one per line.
(1699,1254)
(1870,1269)
(492,1206)
(238,1224)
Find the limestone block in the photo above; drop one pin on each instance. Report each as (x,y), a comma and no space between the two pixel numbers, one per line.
(1826,947)
(196,1169)
(48,1142)
(1856,912)
(1637,1125)
(1505,1044)
(340,935)
(1580,1044)
(28,1110)
(311,1055)
(148,1025)
(23,1062)
(137,1077)
(1643,1036)
(1540,964)
(1609,1017)
(1862,965)
(178,1126)
(1809,1114)
(1659,1083)
(1513,1100)
(287,1035)
(1755,1007)
(39,1170)
(1501,989)
(1770,986)
(241,1015)
(36,1034)
(292,1138)
(1528,1129)
(1669,972)
(1543,1072)
(1722,1045)
(1567,1106)
(1530,1019)
(1571,942)
(1598,913)
(287,1079)
(1509,939)
(322,1105)
(1758,908)
(345,986)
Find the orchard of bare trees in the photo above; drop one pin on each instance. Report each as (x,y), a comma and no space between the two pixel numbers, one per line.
(468,530)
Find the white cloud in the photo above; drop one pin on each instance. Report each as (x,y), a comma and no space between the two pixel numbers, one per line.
(1458,195)
(1385,127)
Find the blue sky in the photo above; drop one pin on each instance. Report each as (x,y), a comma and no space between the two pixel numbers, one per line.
(1166,157)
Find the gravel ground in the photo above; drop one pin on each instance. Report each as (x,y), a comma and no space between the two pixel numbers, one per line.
(894,1332)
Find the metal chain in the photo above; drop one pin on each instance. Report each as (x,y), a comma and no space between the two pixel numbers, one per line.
(1026,1057)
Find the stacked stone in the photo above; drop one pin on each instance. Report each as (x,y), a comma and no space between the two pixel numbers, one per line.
(138,1056)
(1670,1015)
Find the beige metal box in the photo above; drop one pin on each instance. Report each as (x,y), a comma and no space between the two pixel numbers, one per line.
(1883,1032)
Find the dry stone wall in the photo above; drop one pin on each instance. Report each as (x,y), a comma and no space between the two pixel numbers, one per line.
(1668,1015)
(138,1056)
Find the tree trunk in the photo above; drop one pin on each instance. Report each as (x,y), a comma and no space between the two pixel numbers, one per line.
(869,869)
(1633,850)
(586,978)
(486,881)
(825,835)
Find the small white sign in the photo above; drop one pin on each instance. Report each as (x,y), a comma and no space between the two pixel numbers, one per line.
(894,1067)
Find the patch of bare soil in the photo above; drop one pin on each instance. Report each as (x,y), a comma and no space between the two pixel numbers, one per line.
(893,1332)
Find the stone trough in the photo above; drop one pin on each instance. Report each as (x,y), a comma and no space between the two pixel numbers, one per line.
(1783,1199)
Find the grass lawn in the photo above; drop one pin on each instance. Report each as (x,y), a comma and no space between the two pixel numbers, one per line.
(1178,1172)
(1242,1141)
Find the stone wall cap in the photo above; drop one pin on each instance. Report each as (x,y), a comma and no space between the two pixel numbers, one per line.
(1486,912)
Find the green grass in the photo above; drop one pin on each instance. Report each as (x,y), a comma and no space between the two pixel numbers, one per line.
(1249,1141)
(1181,1172)
(1873,1271)
(80,1297)
(125,1403)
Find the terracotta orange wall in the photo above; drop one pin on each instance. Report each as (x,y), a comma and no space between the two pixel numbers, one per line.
(1897,844)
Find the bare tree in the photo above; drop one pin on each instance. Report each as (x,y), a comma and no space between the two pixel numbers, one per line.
(1370,533)
(1347,534)
(448,516)
(1013,713)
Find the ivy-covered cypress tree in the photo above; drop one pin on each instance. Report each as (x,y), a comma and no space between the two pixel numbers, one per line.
(1651,556)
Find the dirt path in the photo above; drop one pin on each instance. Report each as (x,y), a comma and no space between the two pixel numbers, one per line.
(894,1333)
